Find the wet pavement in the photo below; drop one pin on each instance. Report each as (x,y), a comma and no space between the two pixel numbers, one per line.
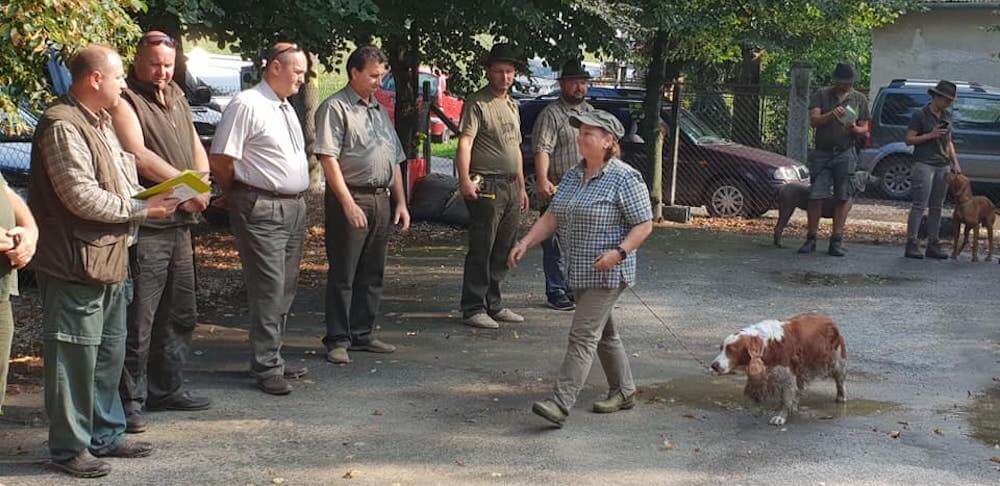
(452,404)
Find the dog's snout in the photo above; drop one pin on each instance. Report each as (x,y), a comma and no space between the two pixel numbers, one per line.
(715,367)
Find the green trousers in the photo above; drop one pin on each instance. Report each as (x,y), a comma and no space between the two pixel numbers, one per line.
(84,332)
(6,340)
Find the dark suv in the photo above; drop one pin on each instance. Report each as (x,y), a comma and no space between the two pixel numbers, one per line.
(976,135)
(727,178)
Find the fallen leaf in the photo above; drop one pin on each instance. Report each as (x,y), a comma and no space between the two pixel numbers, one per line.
(516,336)
(377,412)
(995,459)
(496,475)
(689,416)
(938,431)
(697,449)
(411,333)
(459,462)
(307,382)
(894,434)
(277,480)
(667,445)
(349,474)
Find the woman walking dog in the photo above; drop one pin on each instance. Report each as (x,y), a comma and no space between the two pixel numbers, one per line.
(603,215)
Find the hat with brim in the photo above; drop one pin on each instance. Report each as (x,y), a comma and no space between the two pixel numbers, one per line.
(573,69)
(600,119)
(844,73)
(944,88)
(504,53)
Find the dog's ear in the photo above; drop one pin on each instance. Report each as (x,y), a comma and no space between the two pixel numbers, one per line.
(755,347)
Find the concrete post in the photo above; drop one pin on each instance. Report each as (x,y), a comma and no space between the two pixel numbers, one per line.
(797,140)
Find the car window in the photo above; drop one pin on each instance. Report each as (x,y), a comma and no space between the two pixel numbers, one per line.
(388,83)
(976,113)
(899,107)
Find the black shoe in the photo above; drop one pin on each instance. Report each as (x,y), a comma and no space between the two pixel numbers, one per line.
(185,402)
(295,372)
(809,246)
(135,423)
(913,250)
(934,251)
(836,247)
(129,449)
(562,302)
(274,385)
(84,465)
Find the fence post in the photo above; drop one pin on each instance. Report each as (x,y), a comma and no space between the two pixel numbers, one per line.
(672,212)
(797,140)
(427,122)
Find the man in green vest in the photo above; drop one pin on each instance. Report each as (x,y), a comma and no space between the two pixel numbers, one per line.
(81,190)
(155,125)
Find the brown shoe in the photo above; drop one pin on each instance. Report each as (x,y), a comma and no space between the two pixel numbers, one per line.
(274,385)
(374,346)
(135,423)
(84,465)
(295,372)
(338,356)
(129,449)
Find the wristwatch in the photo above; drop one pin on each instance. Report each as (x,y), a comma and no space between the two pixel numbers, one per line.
(622,253)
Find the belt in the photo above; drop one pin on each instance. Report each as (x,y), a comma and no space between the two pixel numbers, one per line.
(378,191)
(267,192)
(501,177)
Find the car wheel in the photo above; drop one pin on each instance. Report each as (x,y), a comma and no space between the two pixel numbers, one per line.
(529,185)
(895,180)
(727,198)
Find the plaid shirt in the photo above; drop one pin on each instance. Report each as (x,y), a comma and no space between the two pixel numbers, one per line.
(594,217)
(554,136)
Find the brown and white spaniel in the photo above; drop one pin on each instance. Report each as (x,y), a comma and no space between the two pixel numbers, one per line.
(782,357)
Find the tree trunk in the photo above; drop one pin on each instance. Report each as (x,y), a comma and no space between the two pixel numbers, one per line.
(305,104)
(659,72)
(746,102)
(404,61)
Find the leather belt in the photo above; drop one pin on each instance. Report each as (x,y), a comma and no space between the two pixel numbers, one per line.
(501,177)
(267,192)
(378,191)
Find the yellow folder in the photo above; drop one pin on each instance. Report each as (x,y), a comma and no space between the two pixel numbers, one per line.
(186,185)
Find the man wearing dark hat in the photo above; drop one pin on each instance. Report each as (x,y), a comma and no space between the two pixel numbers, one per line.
(491,180)
(556,152)
(929,133)
(839,114)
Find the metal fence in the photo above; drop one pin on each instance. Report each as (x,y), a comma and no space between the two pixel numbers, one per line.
(15,149)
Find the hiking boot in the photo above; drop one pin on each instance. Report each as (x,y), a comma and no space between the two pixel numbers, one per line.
(185,402)
(809,246)
(617,401)
(373,346)
(481,320)
(561,302)
(507,315)
(129,449)
(836,247)
(135,423)
(338,356)
(84,465)
(274,385)
(551,411)
(294,372)
(913,250)
(934,251)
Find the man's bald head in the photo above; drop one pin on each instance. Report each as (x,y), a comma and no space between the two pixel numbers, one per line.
(94,57)
(155,58)
(153,40)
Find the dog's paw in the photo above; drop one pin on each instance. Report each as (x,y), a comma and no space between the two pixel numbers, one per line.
(778,420)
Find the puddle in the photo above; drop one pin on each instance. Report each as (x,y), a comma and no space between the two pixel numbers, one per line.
(726,393)
(983,415)
(819,279)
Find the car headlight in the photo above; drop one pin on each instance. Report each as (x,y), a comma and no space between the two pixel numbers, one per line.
(786,174)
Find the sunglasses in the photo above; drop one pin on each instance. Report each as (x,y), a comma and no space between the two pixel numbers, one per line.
(279,52)
(157,39)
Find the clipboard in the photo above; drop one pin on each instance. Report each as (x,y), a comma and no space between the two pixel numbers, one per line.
(186,185)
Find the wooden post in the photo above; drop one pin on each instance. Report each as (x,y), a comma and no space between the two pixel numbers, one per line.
(426,113)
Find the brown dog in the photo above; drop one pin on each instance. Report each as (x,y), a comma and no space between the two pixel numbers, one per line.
(973,212)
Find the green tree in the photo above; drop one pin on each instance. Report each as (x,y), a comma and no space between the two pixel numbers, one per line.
(30,30)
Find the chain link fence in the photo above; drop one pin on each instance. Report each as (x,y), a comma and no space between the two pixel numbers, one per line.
(15,150)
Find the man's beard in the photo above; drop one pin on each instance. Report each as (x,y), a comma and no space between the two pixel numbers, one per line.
(573,99)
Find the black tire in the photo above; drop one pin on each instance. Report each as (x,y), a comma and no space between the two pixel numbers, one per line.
(894,178)
(728,198)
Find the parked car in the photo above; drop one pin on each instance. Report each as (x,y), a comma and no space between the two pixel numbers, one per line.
(538,80)
(449,104)
(976,133)
(15,151)
(727,178)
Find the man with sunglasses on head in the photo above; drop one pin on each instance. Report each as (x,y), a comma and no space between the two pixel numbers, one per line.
(259,160)
(155,125)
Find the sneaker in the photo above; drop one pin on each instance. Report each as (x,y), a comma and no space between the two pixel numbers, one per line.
(185,402)
(615,402)
(551,411)
(562,302)
(84,465)
(481,320)
(913,250)
(809,246)
(836,247)
(507,315)
(373,346)
(135,423)
(338,356)
(129,449)
(274,385)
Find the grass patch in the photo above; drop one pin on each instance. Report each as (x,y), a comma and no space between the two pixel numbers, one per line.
(446,150)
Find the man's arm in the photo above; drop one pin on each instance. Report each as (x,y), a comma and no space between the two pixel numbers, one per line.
(401,215)
(199,203)
(129,131)
(338,186)
(520,181)
(222,170)
(26,227)
(955,167)
(543,138)
(818,119)
(463,162)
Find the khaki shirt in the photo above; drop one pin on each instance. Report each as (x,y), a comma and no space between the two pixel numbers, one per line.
(932,152)
(553,135)
(495,125)
(360,136)
(833,136)
(8,274)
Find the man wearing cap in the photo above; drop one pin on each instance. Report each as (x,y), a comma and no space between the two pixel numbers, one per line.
(489,152)
(360,153)
(259,159)
(839,114)
(934,154)
(556,152)
(155,125)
